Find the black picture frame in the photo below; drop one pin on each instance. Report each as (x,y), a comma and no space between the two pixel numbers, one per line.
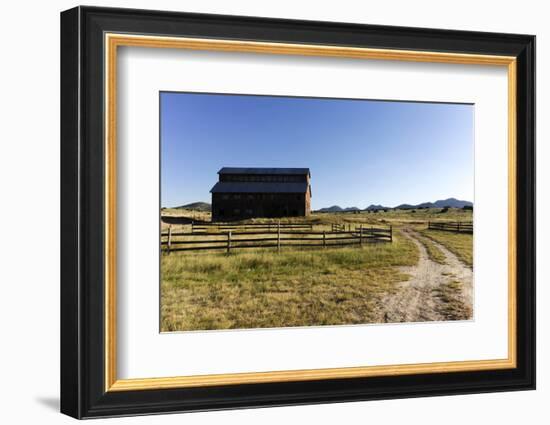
(83,392)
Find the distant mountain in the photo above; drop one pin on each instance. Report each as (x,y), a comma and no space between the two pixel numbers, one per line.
(405,207)
(450,202)
(426,205)
(453,203)
(373,207)
(196,206)
(334,208)
(337,208)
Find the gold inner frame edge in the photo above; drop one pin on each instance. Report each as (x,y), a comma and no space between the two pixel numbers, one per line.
(113,41)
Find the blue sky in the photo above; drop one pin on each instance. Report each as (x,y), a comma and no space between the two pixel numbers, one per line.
(360,152)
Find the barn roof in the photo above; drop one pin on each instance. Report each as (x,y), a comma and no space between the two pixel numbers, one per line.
(259,187)
(271,171)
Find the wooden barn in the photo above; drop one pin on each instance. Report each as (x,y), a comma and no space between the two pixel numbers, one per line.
(261,192)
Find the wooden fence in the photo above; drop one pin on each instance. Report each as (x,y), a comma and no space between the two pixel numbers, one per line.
(457,226)
(341,227)
(228,227)
(230,240)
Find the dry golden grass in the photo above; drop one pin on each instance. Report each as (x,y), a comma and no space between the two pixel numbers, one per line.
(420,216)
(452,306)
(263,288)
(434,253)
(460,244)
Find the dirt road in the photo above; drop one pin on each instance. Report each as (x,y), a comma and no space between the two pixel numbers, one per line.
(434,292)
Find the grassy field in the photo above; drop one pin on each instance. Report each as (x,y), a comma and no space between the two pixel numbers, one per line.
(460,244)
(394,217)
(261,288)
(434,252)
(453,306)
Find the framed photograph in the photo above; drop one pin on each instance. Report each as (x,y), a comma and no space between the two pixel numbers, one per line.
(261,212)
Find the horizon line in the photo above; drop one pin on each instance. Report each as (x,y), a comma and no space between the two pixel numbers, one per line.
(336,205)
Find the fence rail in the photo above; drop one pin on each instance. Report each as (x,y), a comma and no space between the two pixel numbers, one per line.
(337,227)
(225,227)
(457,227)
(278,238)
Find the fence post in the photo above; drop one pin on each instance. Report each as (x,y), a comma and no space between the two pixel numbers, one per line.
(391,233)
(458,227)
(361,234)
(324,239)
(228,241)
(169,238)
(279,236)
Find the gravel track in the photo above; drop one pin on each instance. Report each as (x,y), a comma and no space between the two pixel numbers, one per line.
(419,298)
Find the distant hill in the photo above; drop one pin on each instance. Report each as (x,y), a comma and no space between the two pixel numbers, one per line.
(334,208)
(405,207)
(337,208)
(453,203)
(196,206)
(373,207)
(442,203)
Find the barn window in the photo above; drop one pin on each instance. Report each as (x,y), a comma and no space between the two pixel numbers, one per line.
(249,212)
(250,196)
(236,211)
(225,196)
(236,196)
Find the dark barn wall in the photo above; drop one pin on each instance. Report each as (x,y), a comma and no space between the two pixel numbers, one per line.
(234,206)
(242,193)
